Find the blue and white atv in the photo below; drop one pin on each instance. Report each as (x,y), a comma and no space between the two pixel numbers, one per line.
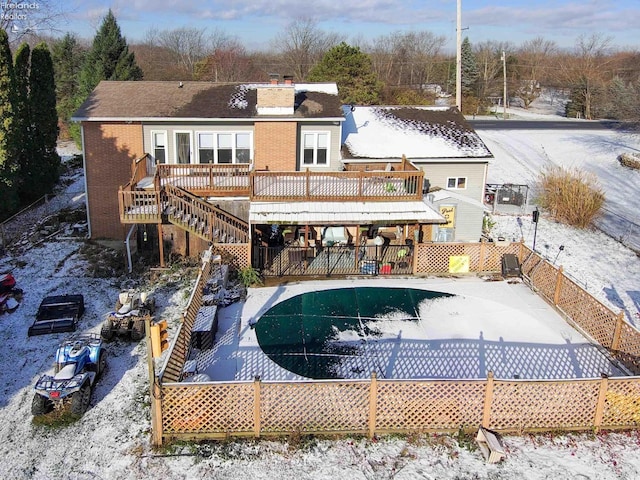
(79,362)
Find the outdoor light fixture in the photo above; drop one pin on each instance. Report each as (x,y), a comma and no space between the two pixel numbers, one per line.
(560,248)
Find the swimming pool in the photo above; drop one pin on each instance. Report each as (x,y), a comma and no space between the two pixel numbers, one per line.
(321,334)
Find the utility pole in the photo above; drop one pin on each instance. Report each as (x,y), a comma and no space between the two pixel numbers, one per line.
(459,57)
(504,95)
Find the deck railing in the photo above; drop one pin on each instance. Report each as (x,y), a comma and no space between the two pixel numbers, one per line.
(139,206)
(350,186)
(207,179)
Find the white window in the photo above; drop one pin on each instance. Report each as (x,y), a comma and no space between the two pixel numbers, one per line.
(457,183)
(315,148)
(159,145)
(224,147)
(205,147)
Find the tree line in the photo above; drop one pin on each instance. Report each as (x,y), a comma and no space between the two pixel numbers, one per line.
(29,162)
(402,68)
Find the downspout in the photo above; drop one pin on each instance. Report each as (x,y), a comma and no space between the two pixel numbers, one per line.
(86,189)
(127,244)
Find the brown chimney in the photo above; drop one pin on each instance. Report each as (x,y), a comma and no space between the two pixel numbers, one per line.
(288,79)
(273,78)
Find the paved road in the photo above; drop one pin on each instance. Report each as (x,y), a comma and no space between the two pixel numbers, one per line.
(496,124)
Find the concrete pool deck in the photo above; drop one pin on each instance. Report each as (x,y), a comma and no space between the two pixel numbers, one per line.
(489,325)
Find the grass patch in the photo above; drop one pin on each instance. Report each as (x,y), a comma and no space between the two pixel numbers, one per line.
(58,418)
(570,196)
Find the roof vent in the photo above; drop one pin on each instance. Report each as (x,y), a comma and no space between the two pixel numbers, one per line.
(180,85)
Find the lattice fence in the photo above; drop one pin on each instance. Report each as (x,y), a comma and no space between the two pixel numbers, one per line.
(483,257)
(219,410)
(239,252)
(180,349)
(528,406)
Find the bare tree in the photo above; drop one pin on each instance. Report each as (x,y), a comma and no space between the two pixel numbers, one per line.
(302,45)
(533,68)
(187,46)
(229,63)
(587,69)
(490,65)
(406,58)
(25,19)
(535,57)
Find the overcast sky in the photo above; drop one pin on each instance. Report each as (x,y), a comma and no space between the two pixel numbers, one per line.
(256,22)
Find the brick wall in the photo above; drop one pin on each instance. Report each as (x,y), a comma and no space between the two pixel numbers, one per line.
(276,146)
(109,150)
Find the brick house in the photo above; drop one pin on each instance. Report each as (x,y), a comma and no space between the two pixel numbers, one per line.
(266,165)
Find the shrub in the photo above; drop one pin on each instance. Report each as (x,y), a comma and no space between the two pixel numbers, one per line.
(249,276)
(570,196)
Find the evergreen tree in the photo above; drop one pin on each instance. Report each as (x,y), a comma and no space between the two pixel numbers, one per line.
(67,55)
(42,99)
(23,122)
(8,157)
(352,71)
(469,67)
(108,59)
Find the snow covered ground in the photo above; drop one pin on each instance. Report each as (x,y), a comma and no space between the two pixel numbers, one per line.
(111,441)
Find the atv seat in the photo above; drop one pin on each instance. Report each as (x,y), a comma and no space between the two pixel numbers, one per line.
(66,373)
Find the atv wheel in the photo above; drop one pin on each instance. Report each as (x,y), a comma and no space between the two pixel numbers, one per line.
(106,332)
(80,400)
(137,330)
(40,405)
(102,363)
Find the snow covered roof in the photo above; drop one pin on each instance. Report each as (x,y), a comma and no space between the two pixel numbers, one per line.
(439,195)
(419,133)
(342,213)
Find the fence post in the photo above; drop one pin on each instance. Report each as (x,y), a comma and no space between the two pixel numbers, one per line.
(556,293)
(615,343)
(488,400)
(256,406)
(481,259)
(602,397)
(373,404)
(155,388)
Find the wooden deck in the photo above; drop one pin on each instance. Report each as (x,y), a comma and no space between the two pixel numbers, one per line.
(145,205)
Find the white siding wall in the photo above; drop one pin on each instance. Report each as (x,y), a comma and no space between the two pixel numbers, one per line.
(437,174)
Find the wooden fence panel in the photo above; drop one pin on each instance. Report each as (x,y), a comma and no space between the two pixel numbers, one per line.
(527,406)
(209,409)
(312,407)
(597,320)
(622,406)
(428,405)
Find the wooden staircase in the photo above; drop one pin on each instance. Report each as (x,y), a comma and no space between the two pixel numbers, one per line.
(202,219)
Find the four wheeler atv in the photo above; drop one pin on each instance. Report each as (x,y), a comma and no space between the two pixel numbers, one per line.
(132,309)
(79,362)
